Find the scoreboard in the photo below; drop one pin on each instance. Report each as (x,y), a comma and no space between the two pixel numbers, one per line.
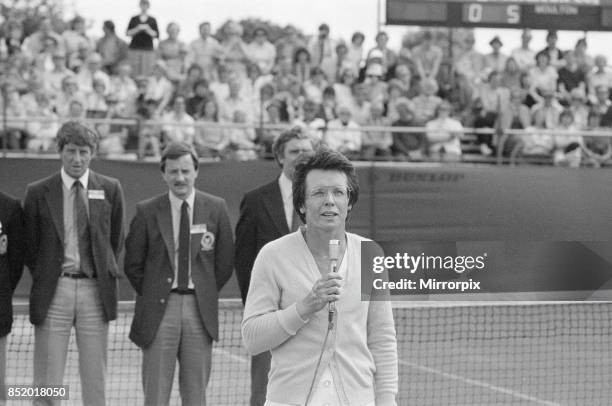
(583,15)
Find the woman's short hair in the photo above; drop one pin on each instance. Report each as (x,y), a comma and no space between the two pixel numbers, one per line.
(327,160)
(78,133)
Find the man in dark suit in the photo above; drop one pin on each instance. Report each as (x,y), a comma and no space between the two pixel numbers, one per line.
(74,233)
(266,214)
(11,268)
(179,254)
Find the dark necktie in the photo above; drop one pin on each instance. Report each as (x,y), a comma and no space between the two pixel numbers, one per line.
(183,255)
(82,222)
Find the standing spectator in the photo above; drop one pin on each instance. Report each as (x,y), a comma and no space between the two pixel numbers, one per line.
(12,248)
(288,43)
(444,135)
(111,48)
(407,146)
(172,51)
(341,61)
(321,48)
(235,50)
(35,43)
(267,213)
(496,60)
(427,57)
(584,60)
(555,55)
(524,55)
(179,125)
(376,144)
(355,50)
(74,233)
(76,37)
(143,31)
(177,277)
(302,64)
(205,52)
(343,134)
(261,51)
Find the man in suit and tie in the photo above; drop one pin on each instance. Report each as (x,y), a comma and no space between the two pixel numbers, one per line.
(266,214)
(11,268)
(179,254)
(74,233)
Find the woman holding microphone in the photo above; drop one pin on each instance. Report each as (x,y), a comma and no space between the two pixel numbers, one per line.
(305,301)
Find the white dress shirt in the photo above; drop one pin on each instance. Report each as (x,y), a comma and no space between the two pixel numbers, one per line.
(175,208)
(286,188)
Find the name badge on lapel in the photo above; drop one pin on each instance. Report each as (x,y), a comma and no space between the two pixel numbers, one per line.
(198,228)
(95,194)
(208,240)
(3,241)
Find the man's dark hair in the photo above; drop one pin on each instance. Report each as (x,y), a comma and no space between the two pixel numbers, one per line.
(109,25)
(175,150)
(78,133)
(278,147)
(327,160)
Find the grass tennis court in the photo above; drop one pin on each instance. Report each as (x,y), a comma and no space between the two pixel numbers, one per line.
(450,354)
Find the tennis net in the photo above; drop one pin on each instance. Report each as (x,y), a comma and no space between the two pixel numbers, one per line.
(449,354)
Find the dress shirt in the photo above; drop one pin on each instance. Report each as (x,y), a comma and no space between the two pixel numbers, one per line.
(72,259)
(286,188)
(175,208)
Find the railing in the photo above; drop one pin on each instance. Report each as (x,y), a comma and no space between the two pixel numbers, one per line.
(137,133)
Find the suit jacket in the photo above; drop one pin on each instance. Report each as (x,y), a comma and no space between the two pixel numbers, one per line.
(149,262)
(262,219)
(44,220)
(11,261)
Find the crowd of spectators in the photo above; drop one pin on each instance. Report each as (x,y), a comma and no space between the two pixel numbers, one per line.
(342,93)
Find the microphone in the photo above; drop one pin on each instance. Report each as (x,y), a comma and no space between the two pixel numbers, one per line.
(334,253)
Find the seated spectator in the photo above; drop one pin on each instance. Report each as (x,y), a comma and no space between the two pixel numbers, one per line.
(76,110)
(496,60)
(444,135)
(396,91)
(599,77)
(201,94)
(261,52)
(205,52)
(516,117)
(293,101)
(494,96)
(427,57)
(124,88)
(570,78)
(602,104)
(53,79)
(479,118)
(283,75)
(579,108)
(343,134)
(241,139)
(44,128)
(272,128)
(404,56)
(16,135)
(355,51)
(260,103)
(327,109)
(92,71)
(407,146)
(454,87)
(568,142)
(149,143)
(159,88)
(584,60)
(95,101)
(549,109)
(43,61)
(376,144)
(402,73)
(210,141)
(16,73)
(287,43)
(555,55)
(186,85)
(76,37)
(389,58)
(312,125)
(301,64)
(511,74)
(220,86)
(236,53)
(111,139)
(343,88)
(426,103)
(376,87)
(341,62)
(535,144)
(35,43)
(235,101)
(70,91)
(529,95)
(313,87)
(14,38)
(178,125)
(597,149)
(543,76)
(111,48)
(255,81)
(172,51)
(471,63)
(360,106)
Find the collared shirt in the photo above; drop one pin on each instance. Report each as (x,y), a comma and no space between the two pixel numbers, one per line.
(286,188)
(175,208)
(72,259)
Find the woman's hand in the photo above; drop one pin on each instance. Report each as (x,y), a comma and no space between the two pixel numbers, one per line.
(325,290)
